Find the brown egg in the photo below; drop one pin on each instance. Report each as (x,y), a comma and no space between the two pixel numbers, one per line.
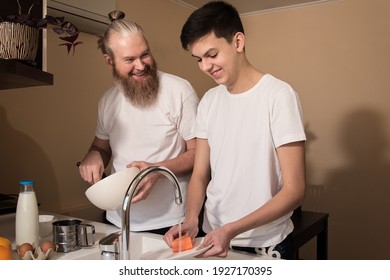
(46,245)
(24,248)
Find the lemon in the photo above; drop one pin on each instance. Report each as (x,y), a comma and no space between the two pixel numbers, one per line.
(5,253)
(5,243)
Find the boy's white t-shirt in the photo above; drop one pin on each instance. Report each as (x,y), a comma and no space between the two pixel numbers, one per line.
(243,131)
(154,134)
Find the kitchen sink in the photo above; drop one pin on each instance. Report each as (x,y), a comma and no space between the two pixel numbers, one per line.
(147,246)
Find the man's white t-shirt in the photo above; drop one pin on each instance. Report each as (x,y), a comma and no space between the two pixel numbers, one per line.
(153,134)
(243,132)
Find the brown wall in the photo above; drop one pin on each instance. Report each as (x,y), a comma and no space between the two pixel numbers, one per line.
(46,130)
(336,57)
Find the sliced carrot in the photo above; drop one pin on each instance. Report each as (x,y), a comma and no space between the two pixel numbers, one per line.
(186,243)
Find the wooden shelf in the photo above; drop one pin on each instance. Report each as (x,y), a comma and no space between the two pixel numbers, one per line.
(14,74)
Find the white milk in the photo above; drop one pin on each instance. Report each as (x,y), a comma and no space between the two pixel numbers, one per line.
(27,223)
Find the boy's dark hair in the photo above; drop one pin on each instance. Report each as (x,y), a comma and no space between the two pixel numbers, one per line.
(216,16)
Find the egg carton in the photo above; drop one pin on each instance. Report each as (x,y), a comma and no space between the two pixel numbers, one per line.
(36,254)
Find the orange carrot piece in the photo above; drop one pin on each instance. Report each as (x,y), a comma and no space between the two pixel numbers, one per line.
(186,244)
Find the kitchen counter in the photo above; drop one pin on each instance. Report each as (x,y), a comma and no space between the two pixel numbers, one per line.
(7,229)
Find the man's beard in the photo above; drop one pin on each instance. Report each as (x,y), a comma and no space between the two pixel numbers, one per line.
(142,93)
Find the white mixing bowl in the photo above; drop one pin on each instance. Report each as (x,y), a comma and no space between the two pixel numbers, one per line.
(108,193)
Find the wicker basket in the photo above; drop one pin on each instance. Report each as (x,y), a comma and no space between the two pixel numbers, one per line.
(18,41)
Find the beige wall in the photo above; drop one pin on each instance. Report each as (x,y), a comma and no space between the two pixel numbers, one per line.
(46,130)
(333,54)
(336,56)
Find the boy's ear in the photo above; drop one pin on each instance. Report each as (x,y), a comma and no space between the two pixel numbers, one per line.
(239,40)
(108,60)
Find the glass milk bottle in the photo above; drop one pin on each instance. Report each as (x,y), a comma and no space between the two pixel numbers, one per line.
(27,221)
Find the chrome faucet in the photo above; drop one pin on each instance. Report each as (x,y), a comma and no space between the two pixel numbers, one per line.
(125,232)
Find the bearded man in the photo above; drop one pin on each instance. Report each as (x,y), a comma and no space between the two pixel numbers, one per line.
(145,119)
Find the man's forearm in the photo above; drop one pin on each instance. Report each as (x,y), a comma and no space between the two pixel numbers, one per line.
(182,164)
(105,155)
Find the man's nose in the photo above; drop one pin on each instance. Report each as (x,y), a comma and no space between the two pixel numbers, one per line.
(139,64)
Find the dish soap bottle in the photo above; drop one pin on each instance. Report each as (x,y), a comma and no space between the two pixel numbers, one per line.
(27,221)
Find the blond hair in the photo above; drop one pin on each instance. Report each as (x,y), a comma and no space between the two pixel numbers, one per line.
(118,25)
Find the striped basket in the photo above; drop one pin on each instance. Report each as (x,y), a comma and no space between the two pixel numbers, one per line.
(18,41)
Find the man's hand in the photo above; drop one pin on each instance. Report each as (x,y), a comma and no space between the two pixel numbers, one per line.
(146,185)
(92,168)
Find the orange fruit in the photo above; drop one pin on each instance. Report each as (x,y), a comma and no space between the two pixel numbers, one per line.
(186,244)
(5,253)
(5,242)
